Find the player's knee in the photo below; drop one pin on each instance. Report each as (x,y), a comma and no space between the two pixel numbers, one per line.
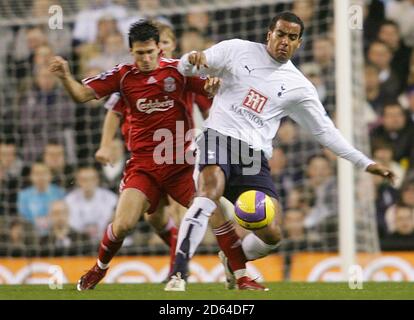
(211,183)
(122,228)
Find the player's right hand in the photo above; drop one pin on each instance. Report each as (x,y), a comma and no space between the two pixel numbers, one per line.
(198,59)
(59,67)
(103,156)
(382,171)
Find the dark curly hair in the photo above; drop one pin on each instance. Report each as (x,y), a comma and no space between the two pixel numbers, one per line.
(143,30)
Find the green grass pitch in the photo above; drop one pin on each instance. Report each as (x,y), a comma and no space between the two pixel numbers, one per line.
(215,291)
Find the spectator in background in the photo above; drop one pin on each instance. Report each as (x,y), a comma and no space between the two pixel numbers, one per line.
(405,198)
(62,240)
(323,54)
(297,145)
(90,206)
(381,55)
(375,97)
(282,179)
(89,117)
(386,194)
(395,132)
(389,33)
(28,39)
(199,19)
(402,236)
(17,238)
(112,174)
(192,39)
(322,219)
(54,158)
(306,11)
(410,104)
(113,52)
(374,14)
(106,27)
(31,38)
(46,113)
(10,171)
(294,225)
(86,29)
(9,162)
(402,12)
(33,202)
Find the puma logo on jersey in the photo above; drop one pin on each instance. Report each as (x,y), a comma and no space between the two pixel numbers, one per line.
(282,89)
(247,68)
(255,100)
(151,106)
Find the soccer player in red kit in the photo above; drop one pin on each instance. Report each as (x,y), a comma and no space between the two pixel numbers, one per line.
(118,116)
(153,90)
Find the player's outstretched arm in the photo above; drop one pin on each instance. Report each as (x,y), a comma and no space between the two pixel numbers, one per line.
(111,124)
(60,68)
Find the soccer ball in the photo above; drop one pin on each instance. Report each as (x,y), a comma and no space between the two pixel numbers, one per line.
(254,210)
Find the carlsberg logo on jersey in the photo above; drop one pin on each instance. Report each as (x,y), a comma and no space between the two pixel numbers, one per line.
(149,106)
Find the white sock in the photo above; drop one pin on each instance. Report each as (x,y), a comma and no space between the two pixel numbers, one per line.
(101,265)
(254,247)
(194,225)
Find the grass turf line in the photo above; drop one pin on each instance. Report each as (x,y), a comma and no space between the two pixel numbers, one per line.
(214,291)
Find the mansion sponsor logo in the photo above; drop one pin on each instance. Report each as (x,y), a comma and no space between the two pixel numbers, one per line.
(252,117)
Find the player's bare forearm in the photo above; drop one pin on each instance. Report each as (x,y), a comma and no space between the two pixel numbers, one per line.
(111,124)
(60,68)
(77,91)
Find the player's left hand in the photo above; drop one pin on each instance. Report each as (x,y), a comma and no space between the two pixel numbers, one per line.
(212,85)
(380,170)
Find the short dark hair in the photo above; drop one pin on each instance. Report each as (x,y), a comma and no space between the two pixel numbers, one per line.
(389,23)
(289,17)
(143,30)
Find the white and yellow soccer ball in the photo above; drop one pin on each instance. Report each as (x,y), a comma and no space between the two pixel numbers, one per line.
(254,210)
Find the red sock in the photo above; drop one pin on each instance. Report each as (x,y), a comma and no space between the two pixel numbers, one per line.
(109,245)
(230,243)
(169,236)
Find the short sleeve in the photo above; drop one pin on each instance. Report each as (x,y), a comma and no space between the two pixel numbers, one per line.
(105,83)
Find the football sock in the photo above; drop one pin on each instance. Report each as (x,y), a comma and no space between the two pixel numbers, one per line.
(109,246)
(169,236)
(230,244)
(254,247)
(192,230)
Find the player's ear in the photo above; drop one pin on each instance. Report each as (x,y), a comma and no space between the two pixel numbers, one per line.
(299,42)
(269,33)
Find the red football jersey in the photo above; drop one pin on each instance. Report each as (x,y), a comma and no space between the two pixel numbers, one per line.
(154,100)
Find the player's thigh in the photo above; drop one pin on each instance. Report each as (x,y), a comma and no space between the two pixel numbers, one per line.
(159,218)
(131,205)
(179,184)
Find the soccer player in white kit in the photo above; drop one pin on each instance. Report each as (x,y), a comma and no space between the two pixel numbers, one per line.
(260,86)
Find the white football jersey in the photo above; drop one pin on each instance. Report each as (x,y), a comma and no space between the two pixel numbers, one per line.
(257,92)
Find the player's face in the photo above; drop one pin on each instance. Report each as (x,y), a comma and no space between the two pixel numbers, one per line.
(283,41)
(145,54)
(167,45)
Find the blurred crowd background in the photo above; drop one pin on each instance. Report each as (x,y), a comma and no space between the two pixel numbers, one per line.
(55,200)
